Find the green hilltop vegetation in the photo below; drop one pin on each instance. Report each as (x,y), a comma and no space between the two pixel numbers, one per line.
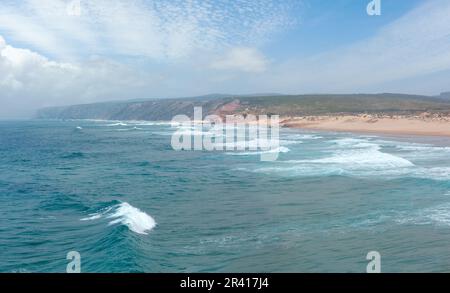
(348,104)
(283,105)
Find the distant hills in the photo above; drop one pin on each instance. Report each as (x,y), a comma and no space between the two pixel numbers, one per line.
(155,109)
(283,105)
(445,96)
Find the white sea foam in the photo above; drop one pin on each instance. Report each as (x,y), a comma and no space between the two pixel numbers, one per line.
(129,129)
(153,123)
(133,122)
(423,148)
(190,132)
(438,215)
(259,143)
(303,136)
(370,158)
(92,217)
(275,150)
(117,124)
(136,220)
(289,142)
(307,169)
(298,170)
(359,154)
(97,215)
(125,214)
(434,173)
(354,143)
(349,156)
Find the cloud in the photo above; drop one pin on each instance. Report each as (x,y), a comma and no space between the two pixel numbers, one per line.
(29,81)
(160,30)
(125,49)
(242,59)
(2,42)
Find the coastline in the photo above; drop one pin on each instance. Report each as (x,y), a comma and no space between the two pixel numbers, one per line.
(436,130)
(423,125)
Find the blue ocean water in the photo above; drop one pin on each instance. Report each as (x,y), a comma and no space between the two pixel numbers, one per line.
(118,193)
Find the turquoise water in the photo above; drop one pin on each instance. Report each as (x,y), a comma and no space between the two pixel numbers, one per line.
(119,195)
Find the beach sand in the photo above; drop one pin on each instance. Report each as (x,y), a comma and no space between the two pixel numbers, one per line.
(422,125)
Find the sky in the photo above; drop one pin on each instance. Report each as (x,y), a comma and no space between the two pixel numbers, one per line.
(62,52)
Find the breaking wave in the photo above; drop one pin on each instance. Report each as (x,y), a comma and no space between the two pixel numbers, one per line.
(117,124)
(125,214)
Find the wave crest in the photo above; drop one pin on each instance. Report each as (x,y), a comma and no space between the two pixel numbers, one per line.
(125,214)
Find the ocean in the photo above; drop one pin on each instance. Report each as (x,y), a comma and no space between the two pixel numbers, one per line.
(117,193)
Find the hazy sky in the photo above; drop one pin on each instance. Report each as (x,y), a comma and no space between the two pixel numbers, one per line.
(54,52)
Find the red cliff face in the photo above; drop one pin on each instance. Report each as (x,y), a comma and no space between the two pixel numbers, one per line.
(228,108)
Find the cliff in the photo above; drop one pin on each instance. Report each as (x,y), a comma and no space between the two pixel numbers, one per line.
(283,105)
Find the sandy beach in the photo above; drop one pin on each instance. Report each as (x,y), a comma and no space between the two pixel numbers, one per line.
(423,125)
